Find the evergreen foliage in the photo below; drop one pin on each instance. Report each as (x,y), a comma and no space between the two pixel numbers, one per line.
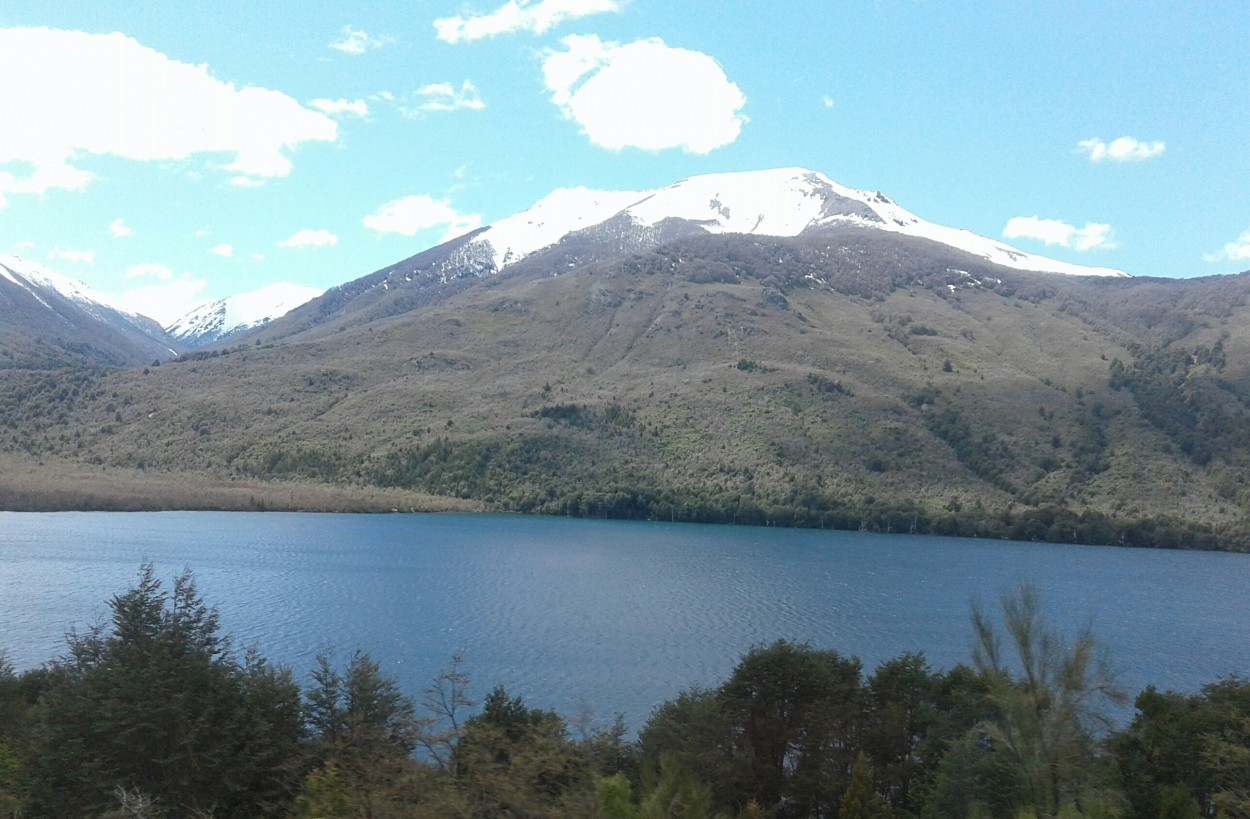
(151,715)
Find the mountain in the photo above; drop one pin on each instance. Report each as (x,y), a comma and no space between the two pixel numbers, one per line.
(49,320)
(668,365)
(785,202)
(573,227)
(222,319)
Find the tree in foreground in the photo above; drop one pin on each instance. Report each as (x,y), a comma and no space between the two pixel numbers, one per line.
(1037,755)
(1190,752)
(154,706)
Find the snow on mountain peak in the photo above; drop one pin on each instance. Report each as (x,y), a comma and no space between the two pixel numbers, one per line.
(781,202)
(215,319)
(35,278)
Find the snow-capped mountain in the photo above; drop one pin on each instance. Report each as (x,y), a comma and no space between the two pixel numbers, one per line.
(216,320)
(784,202)
(53,319)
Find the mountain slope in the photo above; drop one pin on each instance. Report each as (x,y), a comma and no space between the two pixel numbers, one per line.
(222,319)
(844,376)
(785,202)
(49,320)
(869,382)
(573,227)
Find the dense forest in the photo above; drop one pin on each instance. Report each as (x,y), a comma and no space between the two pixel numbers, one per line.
(154,714)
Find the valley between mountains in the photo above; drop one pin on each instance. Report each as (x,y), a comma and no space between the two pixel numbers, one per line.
(766,349)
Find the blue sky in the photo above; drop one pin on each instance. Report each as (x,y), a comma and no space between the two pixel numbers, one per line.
(166,153)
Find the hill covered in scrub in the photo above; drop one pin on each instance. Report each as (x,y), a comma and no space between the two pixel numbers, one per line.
(765,348)
(849,379)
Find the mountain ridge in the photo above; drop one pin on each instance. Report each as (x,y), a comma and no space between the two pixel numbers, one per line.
(52,320)
(841,377)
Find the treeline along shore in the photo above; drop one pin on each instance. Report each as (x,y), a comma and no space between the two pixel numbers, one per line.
(154,713)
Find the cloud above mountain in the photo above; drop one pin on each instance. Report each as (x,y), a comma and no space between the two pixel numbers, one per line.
(1237,250)
(410,215)
(1093,236)
(87,94)
(519,15)
(354,42)
(1123,149)
(644,94)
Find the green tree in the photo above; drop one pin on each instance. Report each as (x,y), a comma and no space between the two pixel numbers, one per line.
(364,729)
(860,800)
(520,761)
(1047,716)
(1188,751)
(156,705)
(902,711)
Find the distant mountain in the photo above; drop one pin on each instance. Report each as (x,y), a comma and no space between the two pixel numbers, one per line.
(573,227)
(785,202)
(219,320)
(670,356)
(49,320)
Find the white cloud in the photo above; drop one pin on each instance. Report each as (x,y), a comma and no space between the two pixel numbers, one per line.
(443,96)
(309,238)
(69,255)
(828,101)
(1123,149)
(149,270)
(519,15)
(46,174)
(644,95)
(1094,236)
(224,250)
(119,228)
(341,106)
(246,182)
(356,42)
(258,257)
(107,94)
(26,245)
(412,214)
(167,301)
(201,233)
(1237,250)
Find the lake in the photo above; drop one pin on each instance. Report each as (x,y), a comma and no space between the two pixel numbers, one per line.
(611,615)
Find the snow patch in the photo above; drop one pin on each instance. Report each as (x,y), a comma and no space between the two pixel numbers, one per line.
(783,202)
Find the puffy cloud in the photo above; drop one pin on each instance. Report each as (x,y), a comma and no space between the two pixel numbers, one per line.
(48,174)
(1237,250)
(166,301)
(443,96)
(412,214)
(644,95)
(118,228)
(1123,149)
(1094,236)
(224,250)
(107,94)
(519,15)
(149,270)
(309,238)
(356,42)
(341,106)
(69,255)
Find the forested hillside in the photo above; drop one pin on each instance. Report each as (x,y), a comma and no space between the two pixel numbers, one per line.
(850,381)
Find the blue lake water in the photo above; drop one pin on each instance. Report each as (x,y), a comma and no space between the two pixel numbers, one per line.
(614,616)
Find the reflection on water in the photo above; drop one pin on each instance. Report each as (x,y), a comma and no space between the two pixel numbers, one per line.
(614,615)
